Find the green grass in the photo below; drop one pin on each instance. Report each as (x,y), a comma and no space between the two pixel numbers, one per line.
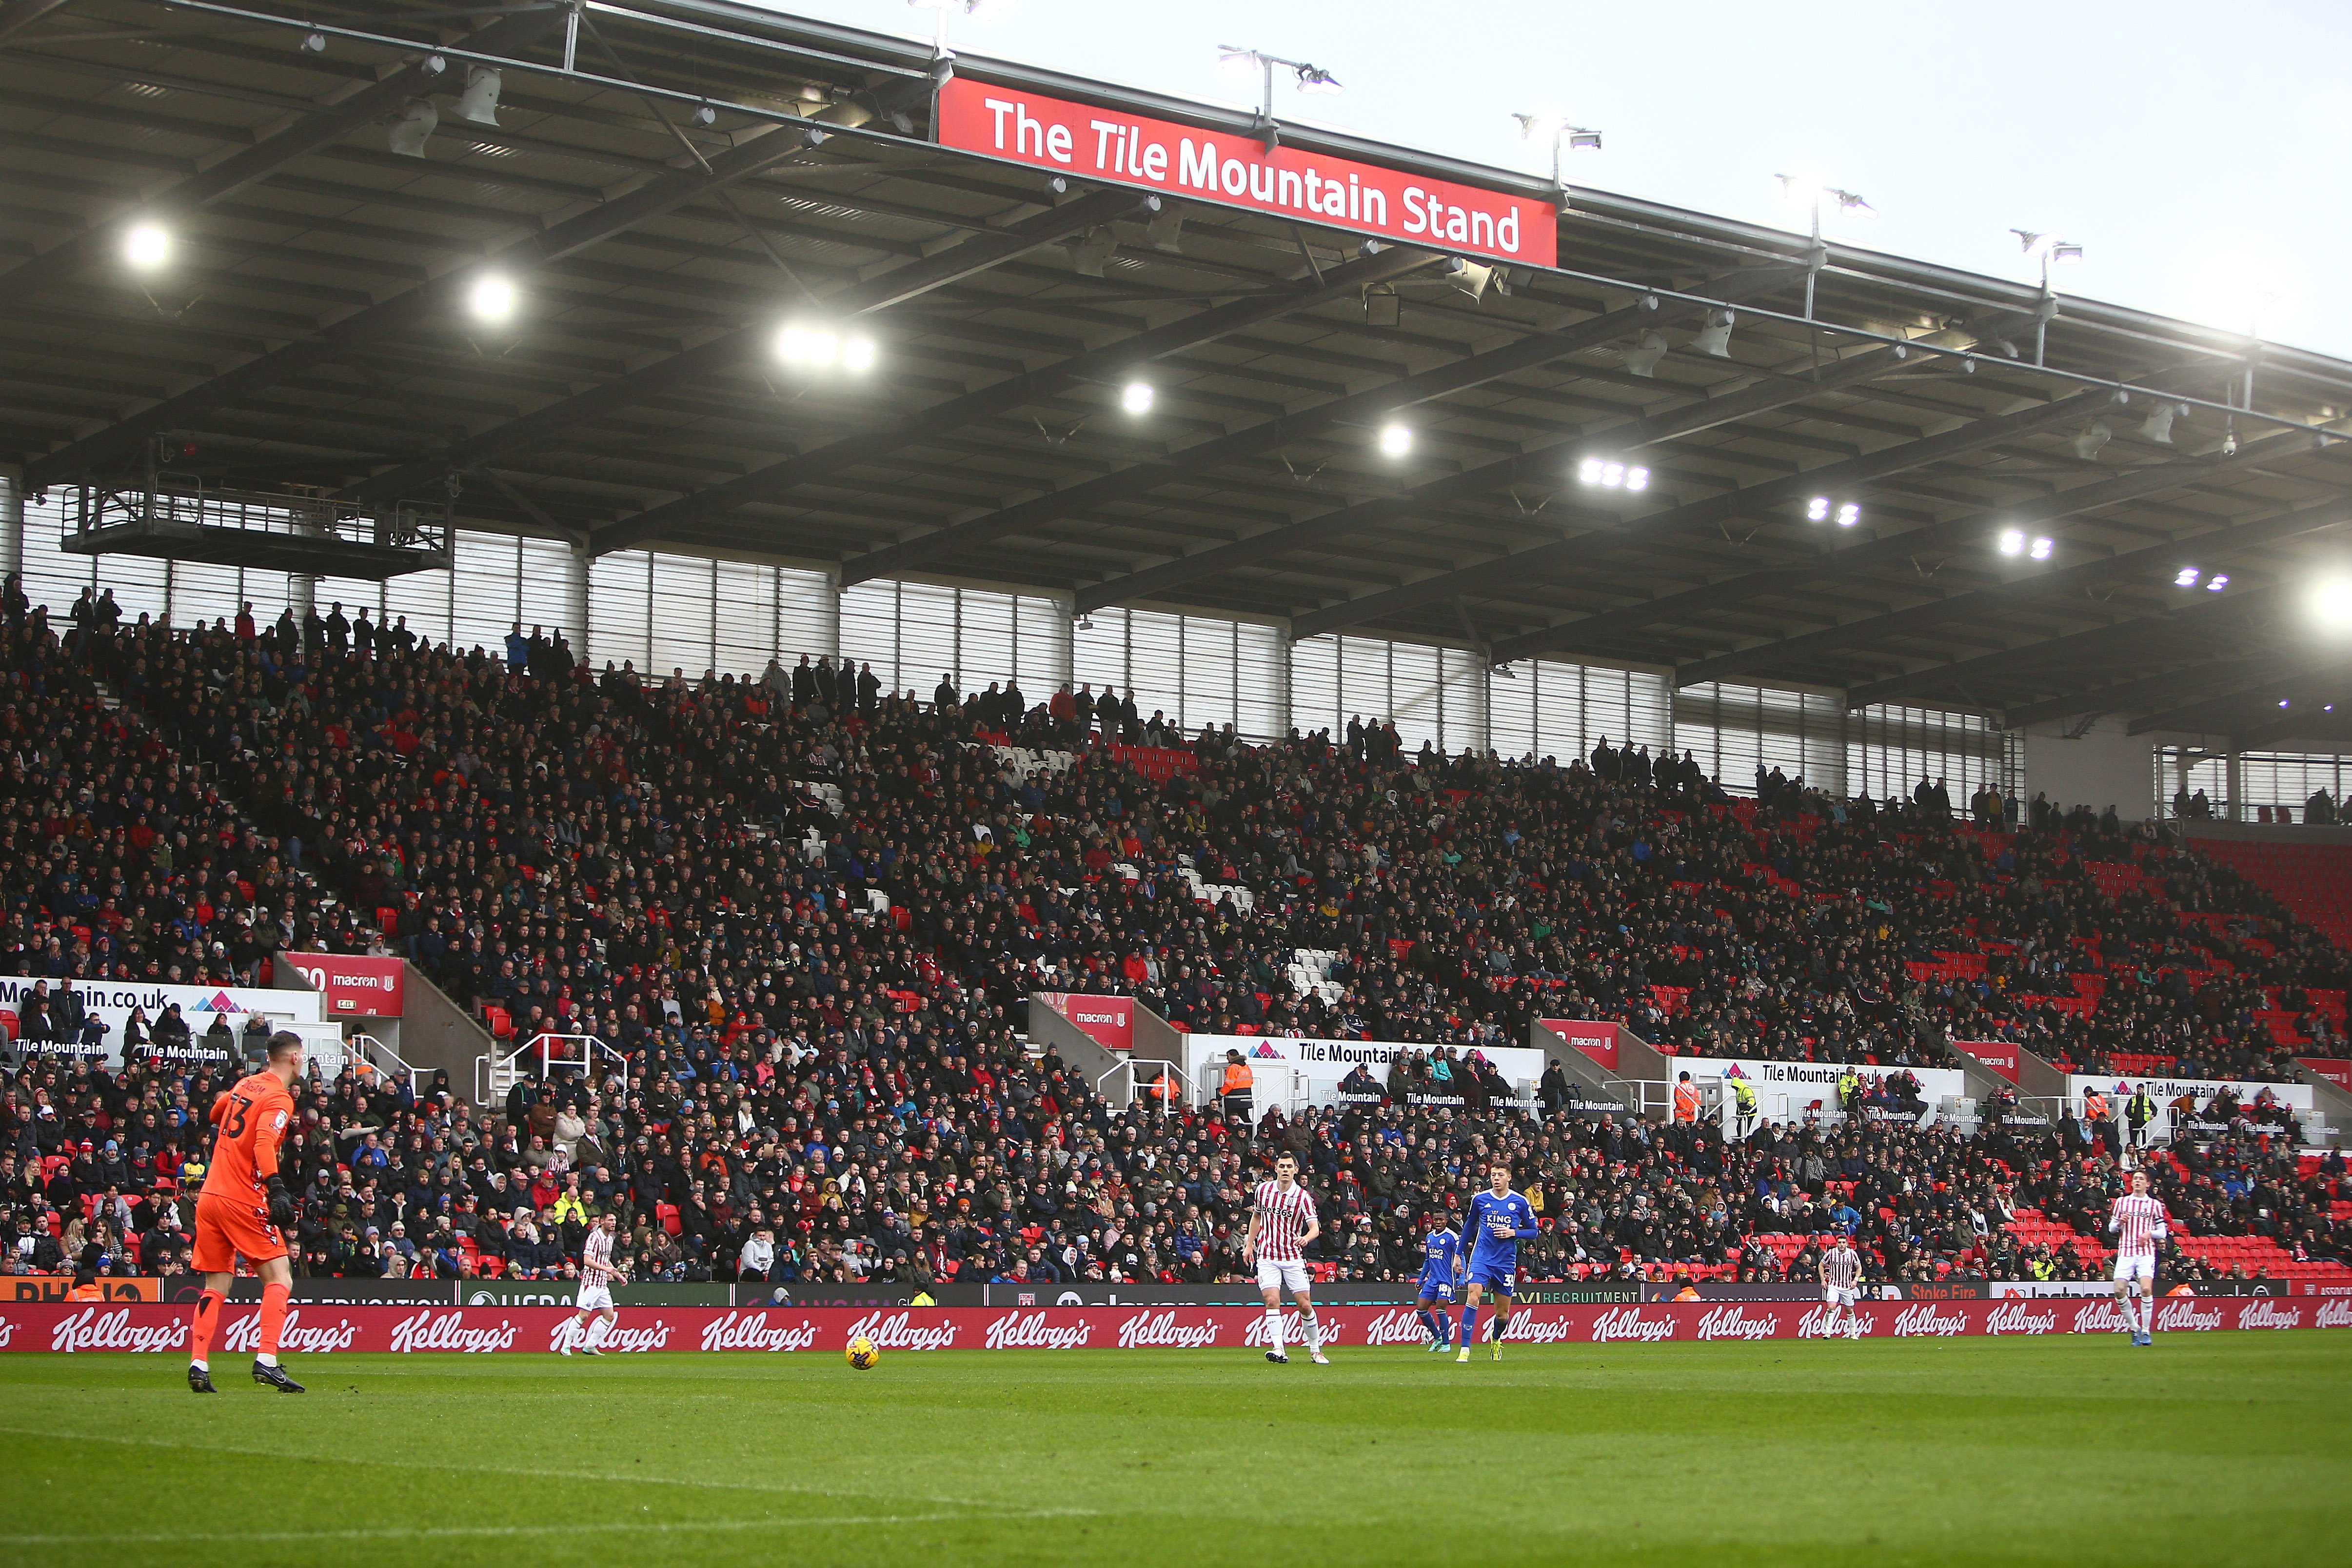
(2213,1448)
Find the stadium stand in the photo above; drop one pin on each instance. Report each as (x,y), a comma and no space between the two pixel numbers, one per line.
(810,919)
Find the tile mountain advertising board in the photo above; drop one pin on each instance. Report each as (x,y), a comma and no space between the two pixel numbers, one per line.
(1176,160)
(113,1001)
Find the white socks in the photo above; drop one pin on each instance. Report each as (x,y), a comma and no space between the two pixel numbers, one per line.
(597,1329)
(1314,1333)
(1274,1329)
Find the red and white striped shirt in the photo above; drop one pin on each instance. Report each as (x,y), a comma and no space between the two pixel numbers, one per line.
(2138,1219)
(596,1258)
(1841,1267)
(1282,1220)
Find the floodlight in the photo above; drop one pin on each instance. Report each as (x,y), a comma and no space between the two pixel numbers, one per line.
(2219,581)
(857,354)
(2095,435)
(2331,603)
(2187,578)
(480,101)
(1137,397)
(1092,252)
(417,123)
(1637,479)
(1643,358)
(1315,79)
(1714,340)
(1848,515)
(798,344)
(2041,551)
(1396,440)
(2158,427)
(1381,306)
(1588,471)
(2012,542)
(1610,474)
(1166,228)
(1239,64)
(1818,508)
(314,43)
(147,246)
(492,297)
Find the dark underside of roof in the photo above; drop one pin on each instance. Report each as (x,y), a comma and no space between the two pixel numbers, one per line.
(309,329)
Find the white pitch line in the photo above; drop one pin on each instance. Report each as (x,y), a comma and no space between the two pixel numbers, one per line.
(656,1527)
(527,1471)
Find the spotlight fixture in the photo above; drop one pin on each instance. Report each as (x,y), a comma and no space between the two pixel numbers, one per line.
(1381,306)
(1166,229)
(1472,277)
(1643,358)
(314,43)
(1848,514)
(1562,136)
(1714,340)
(417,123)
(433,65)
(2219,581)
(492,298)
(2040,550)
(821,348)
(1396,440)
(1818,508)
(2331,603)
(2282,702)
(2012,542)
(1611,475)
(2158,427)
(705,116)
(147,247)
(2187,578)
(1315,79)
(1094,251)
(2097,435)
(1137,397)
(480,101)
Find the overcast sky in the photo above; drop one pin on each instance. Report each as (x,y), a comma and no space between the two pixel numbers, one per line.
(2198,151)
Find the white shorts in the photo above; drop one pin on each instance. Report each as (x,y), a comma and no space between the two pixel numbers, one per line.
(1835,1296)
(1274,1276)
(2142,1268)
(596,1298)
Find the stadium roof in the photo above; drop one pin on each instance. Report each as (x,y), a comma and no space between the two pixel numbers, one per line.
(311,328)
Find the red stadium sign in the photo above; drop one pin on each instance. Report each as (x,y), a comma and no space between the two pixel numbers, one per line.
(2338,1073)
(351,985)
(1109,1021)
(317,1329)
(1598,1041)
(1237,171)
(1999,1055)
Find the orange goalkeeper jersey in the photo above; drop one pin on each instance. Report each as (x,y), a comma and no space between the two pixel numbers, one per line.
(251,1122)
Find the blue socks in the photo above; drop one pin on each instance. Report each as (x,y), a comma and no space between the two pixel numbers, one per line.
(1469,1325)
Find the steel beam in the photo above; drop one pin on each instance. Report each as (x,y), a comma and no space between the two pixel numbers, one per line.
(2213,543)
(1834,560)
(672,519)
(1219,451)
(83,252)
(18,15)
(566,416)
(2078,654)
(2329,679)
(441,297)
(1550,560)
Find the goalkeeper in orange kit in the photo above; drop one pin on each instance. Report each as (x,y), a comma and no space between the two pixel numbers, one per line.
(244,1209)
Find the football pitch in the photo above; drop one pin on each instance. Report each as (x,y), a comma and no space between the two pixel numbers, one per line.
(2211,1448)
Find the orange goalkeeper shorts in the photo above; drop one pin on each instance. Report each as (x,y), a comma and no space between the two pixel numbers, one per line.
(227,1229)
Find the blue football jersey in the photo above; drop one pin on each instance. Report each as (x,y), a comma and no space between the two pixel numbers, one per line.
(1510,1213)
(1440,1257)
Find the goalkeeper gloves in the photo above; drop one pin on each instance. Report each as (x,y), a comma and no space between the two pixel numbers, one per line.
(281,1204)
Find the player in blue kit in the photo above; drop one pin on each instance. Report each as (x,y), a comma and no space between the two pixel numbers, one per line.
(1499,1219)
(1441,1269)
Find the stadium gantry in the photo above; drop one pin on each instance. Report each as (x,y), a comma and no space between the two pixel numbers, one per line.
(405,268)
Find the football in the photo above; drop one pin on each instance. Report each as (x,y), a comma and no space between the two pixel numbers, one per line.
(862,1354)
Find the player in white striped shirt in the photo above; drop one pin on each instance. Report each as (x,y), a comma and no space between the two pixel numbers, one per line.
(597,1273)
(1841,1287)
(1281,1222)
(2138,1222)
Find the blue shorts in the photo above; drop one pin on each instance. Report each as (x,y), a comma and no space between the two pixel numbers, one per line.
(1496,1275)
(1436,1289)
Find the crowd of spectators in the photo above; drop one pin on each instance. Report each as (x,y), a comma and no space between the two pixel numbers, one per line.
(806,914)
